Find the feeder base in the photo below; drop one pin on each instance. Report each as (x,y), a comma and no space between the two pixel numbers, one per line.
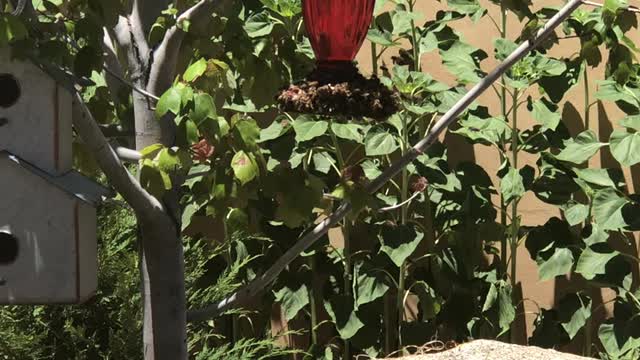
(338,89)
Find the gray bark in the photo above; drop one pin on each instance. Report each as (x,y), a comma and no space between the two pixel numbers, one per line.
(161,255)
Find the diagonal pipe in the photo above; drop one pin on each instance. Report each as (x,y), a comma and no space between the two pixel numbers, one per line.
(255,287)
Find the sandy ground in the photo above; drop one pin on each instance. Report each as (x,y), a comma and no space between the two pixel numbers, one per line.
(489,350)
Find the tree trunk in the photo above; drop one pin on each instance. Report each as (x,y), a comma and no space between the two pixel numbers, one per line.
(162,259)
(163,291)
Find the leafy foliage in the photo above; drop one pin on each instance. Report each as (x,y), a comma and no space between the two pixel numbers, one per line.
(443,232)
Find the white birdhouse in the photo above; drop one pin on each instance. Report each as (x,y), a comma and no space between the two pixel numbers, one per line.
(47,212)
(35,116)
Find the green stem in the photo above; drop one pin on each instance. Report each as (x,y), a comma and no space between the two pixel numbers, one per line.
(388,323)
(587,96)
(405,174)
(514,205)
(374,54)
(374,59)
(312,302)
(503,105)
(414,41)
(404,212)
(338,151)
(428,223)
(405,182)
(400,305)
(345,235)
(503,240)
(235,333)
(588,336)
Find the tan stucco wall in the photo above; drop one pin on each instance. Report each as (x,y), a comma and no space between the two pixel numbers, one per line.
(533,211)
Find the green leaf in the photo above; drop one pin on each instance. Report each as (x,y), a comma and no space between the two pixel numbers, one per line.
(607,209)
(292,300)
(428,43)
(399,242)
(187,215)
(546,113)
(191,131)
(597,236)
(323,162)
(499,299)
(447,99)
(511,186)
(631,122)
(11,29)
(580,149)
(274,131)
(575,310)
(195,70)
(204,108)
(297,198)
(170,101)
(348,131)
(593,261)
(380,143)
(555,87)
(196,174)
(485,131)
(371,169)
(619,337)
(244,167)
(430,303)
(307,128)
(559,263)
(369,284)
(285,8)
(248,132)
(171,160)
(258,25)
(504,48)
(471,8)
(576,213)
(549,246)
(601,177)
(625,147)
(153,179)
(401,21)
(236,221)
(151,151)
(343,314)
(380,37)
(462,61)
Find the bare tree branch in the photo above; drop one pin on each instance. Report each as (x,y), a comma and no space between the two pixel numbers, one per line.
(113,68)
(166,55)
(129,35)
(255,287)
(145,12)
(20,6)
(128,155)
(121,179)
(111,62)
(120,33)
(115,131)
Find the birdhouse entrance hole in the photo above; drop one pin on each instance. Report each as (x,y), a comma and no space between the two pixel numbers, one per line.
(9,90)
(8,248)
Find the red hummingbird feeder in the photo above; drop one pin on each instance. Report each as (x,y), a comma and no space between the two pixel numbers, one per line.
(336,30)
